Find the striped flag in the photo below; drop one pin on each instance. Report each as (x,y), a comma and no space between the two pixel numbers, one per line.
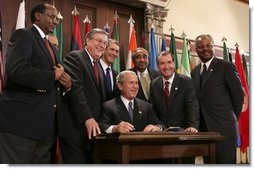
(87,24)
(21,16)
(114,35)
(185,61)
(58,32)
(153,51)
(132,43)
(243,120)
(76,42)
(174,51)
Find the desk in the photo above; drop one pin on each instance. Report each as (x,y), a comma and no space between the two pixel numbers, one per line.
(156,145)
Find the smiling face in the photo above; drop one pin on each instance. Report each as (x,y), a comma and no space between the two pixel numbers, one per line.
(140,59)
(204,48)
(166,65)
(96,45)
(111,53)
(129,87)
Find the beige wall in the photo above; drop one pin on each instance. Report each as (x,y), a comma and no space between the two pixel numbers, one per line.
(229,18)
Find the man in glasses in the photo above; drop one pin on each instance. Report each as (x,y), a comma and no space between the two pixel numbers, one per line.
(31,97)
(79,121)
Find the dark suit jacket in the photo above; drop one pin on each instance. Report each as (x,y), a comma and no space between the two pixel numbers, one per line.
(220,96)
(27,104)
(153,74)
(182,110)
(85,98)
(114,111)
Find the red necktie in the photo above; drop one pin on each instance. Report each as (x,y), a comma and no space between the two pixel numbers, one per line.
(96,71)
(166,92)
(50,50)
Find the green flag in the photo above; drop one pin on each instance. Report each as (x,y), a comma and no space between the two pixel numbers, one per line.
(185,61)
(114,35)
(225,52)
(173,50)
(58,32)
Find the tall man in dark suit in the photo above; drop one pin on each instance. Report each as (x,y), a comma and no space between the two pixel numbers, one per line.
(32,94)
(179,108)
(83,105)
(140,58)
(127,113)
(106,62)
(220,95)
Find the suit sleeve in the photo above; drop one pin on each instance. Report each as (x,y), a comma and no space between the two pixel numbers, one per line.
(191,105)
(24,65)
(235,88)
(78,100)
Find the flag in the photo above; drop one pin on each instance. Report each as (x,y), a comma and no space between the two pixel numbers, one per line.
(230,56)
(132,43)
(243,120)
(185,61)
(173,50)
(58,32)
(76,42)
(245,68)
(114,35)
(163,44)
(1,59)
(225,52)
(87,24)
(21,16)
(153,51)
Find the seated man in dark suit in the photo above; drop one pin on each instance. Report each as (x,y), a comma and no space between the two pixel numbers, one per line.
(119,116)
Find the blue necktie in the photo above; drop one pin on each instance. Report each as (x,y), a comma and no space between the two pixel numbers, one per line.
(130,110)
(108,80)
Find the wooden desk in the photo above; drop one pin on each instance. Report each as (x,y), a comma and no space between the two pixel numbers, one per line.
(157,145)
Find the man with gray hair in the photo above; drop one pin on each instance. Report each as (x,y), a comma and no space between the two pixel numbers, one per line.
(79,119)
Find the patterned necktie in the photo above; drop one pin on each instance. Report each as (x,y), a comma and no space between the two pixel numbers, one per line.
(50,50)
(130,110)
(202,76)
(145,85)
(96,71)
(108,80)
(166,92)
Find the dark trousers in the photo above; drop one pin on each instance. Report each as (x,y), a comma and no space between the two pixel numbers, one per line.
(16,149)
(76,151)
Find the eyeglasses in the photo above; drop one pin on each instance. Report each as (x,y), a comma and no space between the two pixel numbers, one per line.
(100,41)
(53,17)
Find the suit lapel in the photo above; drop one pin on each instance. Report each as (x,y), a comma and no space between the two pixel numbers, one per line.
(210,70)
(174,89)
(42,44)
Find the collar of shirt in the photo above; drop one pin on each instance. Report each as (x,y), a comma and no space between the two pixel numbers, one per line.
(170,80)
(126,102)
(40,31)
(143,73)
(207,64)
(91,59)
(104,65)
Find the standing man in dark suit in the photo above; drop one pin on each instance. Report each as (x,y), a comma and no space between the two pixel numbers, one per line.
(179,108)
(32,94)
(79,120)
(140,58)
(127,113)
(110,74)
(220,95)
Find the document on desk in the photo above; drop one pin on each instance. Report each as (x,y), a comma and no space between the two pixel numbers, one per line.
(174,129)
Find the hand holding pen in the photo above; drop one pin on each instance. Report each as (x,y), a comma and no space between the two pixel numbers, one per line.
(123,127)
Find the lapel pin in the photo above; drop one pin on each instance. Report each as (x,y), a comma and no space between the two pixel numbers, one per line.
(176,88)
(140,112)
(211,70)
